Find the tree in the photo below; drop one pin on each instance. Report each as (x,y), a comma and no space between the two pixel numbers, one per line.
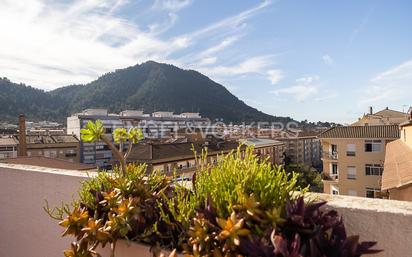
(94,132)
(308,176)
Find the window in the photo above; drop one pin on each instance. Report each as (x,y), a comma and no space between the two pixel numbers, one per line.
(373,145)
(372,192)
(334,190)
(334,169)
(333,149)
(351,172)
(71,153)
(373,170)
(351,150)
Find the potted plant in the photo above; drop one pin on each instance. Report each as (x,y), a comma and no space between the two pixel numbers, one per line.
(240,206)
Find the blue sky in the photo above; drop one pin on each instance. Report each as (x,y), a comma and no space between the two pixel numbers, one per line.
(315,60)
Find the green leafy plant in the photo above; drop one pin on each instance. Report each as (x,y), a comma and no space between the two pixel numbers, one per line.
(94,132)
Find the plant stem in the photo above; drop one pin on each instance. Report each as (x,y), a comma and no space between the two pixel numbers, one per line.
(129,150)
(116,153)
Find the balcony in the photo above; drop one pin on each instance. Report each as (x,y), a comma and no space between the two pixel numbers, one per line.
(330,155)
(330,177)
(28,231)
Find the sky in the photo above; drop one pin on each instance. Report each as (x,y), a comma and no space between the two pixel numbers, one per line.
(315,60)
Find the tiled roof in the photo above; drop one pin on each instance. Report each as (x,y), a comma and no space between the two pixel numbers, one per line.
(7,141)
(261,142)
(383,131)
(41,161)
(49,139)
(158,153)
(398,165)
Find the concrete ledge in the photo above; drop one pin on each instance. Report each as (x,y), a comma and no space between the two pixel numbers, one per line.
(26,230)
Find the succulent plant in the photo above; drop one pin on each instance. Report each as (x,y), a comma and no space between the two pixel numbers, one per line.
(241,207)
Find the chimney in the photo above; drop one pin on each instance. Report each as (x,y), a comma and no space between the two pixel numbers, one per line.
(370,110)
(22,149)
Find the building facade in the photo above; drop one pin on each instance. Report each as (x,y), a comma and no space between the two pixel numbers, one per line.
(397,174)
(8,147)
(267,149)
(302,148)
(383,117)
(63,147)
(178,158)
(353,158)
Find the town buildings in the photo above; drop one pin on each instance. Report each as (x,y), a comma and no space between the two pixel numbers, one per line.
(156,126)
(179,158)
(397,174)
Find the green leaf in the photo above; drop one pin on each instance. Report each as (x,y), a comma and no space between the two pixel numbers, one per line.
(135,135)
(120,135)
(92,132)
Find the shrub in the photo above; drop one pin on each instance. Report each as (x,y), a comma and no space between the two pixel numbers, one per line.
(239,207)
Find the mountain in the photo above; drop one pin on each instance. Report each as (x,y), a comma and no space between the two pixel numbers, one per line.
(35,103)
(149,86)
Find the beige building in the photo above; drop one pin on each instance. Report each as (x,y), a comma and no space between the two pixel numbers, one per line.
(397,175)
(8,147)
(353,158)
(63,147)
(302,148)
(272,150)
(178,157)
(383,117)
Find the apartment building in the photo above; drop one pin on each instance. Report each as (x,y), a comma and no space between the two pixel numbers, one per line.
(302,148)
(383,117)
(178,157)
(397,174)
(97,153)
(63,147)
(8,147)
(159,125)
(267,149)
(353,158)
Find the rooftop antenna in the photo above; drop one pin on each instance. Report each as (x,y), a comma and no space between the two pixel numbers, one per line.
(403,107)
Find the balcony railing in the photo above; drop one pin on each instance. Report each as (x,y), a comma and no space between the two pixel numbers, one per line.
(330,155)
(330,177)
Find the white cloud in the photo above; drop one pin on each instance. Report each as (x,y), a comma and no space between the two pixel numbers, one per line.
(257,64)
(232,22)
(50,44)
(171,5)
(304,89)
(275,76)
(327,59)
(390,87)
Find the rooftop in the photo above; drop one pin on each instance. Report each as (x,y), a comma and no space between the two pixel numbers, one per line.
(380,131)
(7,141)
(261,142)
(159,153)
(40,161)
(50,139)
